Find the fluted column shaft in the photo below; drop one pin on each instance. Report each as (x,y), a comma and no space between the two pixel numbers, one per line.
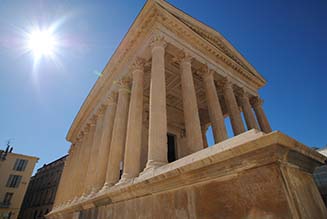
(247,111)
(104,150)
(84,162)
(90,179)
(134,127)
(157,146)
(117,144)
(261,116)
(76,174)
(214,108)
(190,106)
(73,174)
(232,108)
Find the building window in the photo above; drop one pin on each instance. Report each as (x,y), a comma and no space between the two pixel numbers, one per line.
(20,164)
(14,181)
(8,197)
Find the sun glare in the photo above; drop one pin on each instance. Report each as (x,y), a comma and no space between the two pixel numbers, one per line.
(41,43)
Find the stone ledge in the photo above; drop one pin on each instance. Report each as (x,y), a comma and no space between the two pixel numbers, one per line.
(248,150)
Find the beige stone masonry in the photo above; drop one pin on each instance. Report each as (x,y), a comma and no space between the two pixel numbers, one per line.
(104,150)
(261,116)
(190,106)
(214,108)
(157,151)
(134,127)
(247,111)
(81,186)
(251,148)
(118,140)
(90,179)
(232,107)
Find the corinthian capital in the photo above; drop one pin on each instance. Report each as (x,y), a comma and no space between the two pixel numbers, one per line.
(158,40)
(225,83)
(124,84)
(256,101)
(138,64)
(205,72)
(183,57)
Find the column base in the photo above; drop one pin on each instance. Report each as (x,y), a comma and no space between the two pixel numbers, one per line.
(125,179)
(152,164)
(149,169)
(75,200)
(105,187)
(94,190)
(83,197)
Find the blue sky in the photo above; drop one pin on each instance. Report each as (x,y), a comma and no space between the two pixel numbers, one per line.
(284,40)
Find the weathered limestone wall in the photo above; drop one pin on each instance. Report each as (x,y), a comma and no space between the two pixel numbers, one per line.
(252,176)
(256,193)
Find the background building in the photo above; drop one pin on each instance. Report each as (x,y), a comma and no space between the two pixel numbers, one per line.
(15,173)
(41,190)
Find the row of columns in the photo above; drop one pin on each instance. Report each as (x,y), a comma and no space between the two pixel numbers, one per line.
(114,135)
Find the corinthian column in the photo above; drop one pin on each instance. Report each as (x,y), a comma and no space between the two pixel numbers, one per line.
(232,108)
(84,162)
(247,111)
(118,134)
(90,180)
(93,186)
(214,108)
(261,116)
(134,127)
(190,106)
(104,150)
(157,151)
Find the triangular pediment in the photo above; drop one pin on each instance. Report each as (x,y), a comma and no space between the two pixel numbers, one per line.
(210,35)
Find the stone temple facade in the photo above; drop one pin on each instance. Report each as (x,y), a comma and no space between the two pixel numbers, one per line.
(138,142)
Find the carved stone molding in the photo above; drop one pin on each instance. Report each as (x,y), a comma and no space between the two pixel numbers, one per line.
(80,137)
(100,111)
(93,119)
(138,64)
(158,40)
(256,101)
(202,45)
(111,99)
(183,57)
(86,129)
(205,72)
(225,83)
(124,84)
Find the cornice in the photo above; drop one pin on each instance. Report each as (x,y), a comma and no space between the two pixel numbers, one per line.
(211,35)
(186,33)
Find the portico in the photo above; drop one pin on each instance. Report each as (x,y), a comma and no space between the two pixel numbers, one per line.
(170,91)
(170,78)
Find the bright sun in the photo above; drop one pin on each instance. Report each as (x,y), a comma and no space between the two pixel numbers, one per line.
(42,43)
